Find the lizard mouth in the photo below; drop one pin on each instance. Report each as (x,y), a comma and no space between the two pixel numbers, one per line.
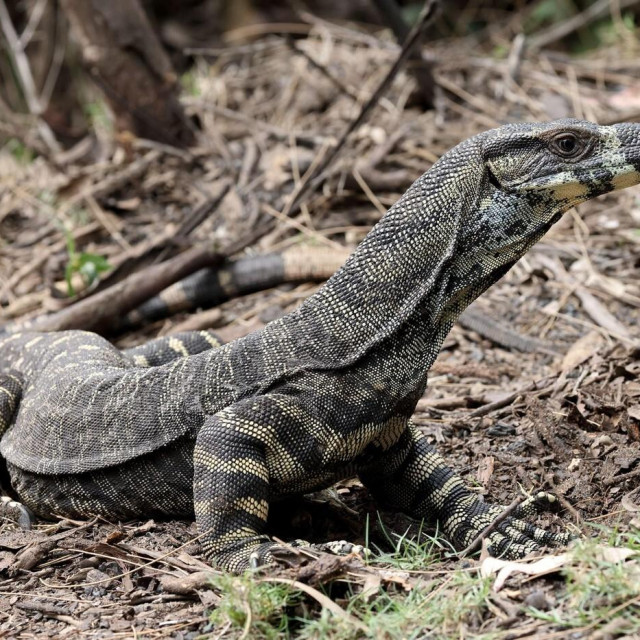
(576,185)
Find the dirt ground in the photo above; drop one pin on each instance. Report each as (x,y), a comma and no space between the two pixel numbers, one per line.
(567,421)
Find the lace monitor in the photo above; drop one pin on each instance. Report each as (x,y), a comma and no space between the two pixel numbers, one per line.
(323,393)
(210,287)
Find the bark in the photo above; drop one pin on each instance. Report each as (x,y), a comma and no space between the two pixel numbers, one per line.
(128,63)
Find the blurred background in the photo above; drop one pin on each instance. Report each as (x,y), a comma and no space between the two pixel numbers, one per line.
(77,64)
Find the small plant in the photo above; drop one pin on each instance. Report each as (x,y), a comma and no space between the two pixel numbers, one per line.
(22,154)
(259,609)
(190,83)
(88,265)
(99,115)
(415,551)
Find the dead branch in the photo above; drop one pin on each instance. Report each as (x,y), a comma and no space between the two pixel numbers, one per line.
(315,178)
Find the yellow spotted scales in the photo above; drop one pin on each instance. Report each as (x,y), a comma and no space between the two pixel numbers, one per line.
(324,393)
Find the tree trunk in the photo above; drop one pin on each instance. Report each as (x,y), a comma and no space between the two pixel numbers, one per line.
(128,63)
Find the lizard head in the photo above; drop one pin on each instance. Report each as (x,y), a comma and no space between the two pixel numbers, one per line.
(530,174)
(563,163)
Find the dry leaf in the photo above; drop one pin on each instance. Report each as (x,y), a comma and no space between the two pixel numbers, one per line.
(505,568)
(546,565)
(634,412)
(485,470)
(371,586)
(581,350)
(615,554)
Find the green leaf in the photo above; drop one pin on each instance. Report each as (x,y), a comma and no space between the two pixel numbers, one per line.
(90,266)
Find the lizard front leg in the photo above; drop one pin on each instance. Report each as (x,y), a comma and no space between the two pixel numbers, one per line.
(244,455)
(412,477)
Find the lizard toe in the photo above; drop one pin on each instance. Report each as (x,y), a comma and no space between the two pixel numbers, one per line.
(17,512)
(511,538)
(511,545)
(541,502)
(342,548)
(541,536)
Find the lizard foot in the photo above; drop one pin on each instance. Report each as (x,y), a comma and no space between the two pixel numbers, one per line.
(17,512)
(470,520)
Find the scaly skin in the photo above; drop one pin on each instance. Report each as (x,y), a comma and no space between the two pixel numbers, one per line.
(323,393)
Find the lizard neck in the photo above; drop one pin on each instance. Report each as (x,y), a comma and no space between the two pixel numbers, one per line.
(401,273)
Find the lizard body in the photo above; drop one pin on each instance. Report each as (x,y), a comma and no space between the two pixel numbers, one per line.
(320,394)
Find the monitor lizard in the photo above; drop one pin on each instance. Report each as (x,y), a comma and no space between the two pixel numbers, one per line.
(323,393)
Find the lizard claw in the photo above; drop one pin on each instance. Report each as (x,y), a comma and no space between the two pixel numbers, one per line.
(255,561)
(17,512)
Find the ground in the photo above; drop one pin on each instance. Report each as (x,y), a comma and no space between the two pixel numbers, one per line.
(511,422)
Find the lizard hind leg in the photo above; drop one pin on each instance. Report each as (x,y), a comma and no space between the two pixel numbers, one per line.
(10,394)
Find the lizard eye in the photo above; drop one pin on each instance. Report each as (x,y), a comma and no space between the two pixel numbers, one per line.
(567,145)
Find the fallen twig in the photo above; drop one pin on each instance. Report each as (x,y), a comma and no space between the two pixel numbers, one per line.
(538,386)
(593,12)
(314,179)
(16,48)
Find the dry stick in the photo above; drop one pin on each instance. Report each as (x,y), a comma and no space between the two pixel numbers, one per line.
(597,10)
(621,478)
(317,177)
(32,24)
(112,182)
(16,50)
(303,139)
(421,69)
(153,561)
(321,68)
(159,244)
(563,501)
(503,402)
